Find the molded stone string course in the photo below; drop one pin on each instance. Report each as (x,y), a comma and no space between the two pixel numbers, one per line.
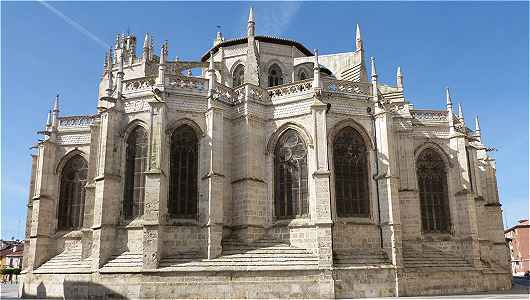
(275,173)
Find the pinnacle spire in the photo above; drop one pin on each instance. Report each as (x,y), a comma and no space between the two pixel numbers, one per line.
(56,104)
(448,100)
(55,112)
(375,90)
(146,54)
(147,41)
(164,52)
(251,15)
(109,89)
(162,64)
(316,71)
(49,119)
(460,111)
(119,75)
(477,129)
(374,72)
(399,78)
(117,44)
(358,39)
(211,76)
(251,25)
(218,38)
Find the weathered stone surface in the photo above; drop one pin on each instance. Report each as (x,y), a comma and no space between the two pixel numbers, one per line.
(236,247)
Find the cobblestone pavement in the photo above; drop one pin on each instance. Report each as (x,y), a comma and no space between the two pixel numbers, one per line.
(520,290)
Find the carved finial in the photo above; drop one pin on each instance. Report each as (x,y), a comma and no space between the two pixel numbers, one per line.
(316,64)
(146,41)
(163,52)
(251,25)
(374,72)
(56,103)
(448,100)
(460,111)
(477,129)
(49,119)
(162,63)
(147,47)
(375,90)
(399,78)
(251,15)
(55,111)
(218,38)
(117,43)
(109,89)
(212,76)
(119,75)
(316,71)
(358,39)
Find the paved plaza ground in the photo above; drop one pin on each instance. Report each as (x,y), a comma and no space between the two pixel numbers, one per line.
(520,290)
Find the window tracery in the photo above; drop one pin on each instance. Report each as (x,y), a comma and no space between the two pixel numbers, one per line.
(290,174)
(183,187)
(275,75)
(432,184)
(72,193)
(239,75)
(350,164)
(135,167)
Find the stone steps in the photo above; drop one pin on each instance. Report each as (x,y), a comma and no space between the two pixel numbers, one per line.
(125,260)
(360,257)
(258,255)
(68,261)
(434,258)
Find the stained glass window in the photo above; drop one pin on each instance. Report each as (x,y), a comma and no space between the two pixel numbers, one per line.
(183,173)
(432,184)
(72,193)
(290,176)
(350,164)
(135,167)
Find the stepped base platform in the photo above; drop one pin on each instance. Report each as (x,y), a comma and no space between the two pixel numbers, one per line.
(68,261)
(237,256)
(432,258)
(262,269)
(361,258)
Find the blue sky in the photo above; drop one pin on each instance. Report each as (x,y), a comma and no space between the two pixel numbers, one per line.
(480,50)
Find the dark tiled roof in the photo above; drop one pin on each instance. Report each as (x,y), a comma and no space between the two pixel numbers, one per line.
(8,251)
(261,38)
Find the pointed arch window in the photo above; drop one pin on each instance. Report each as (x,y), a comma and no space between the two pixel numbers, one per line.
(350,164)
(432,184)
(72,193)
(184,161)
(290,176)
(239,75)
(135,167)
(275,75)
